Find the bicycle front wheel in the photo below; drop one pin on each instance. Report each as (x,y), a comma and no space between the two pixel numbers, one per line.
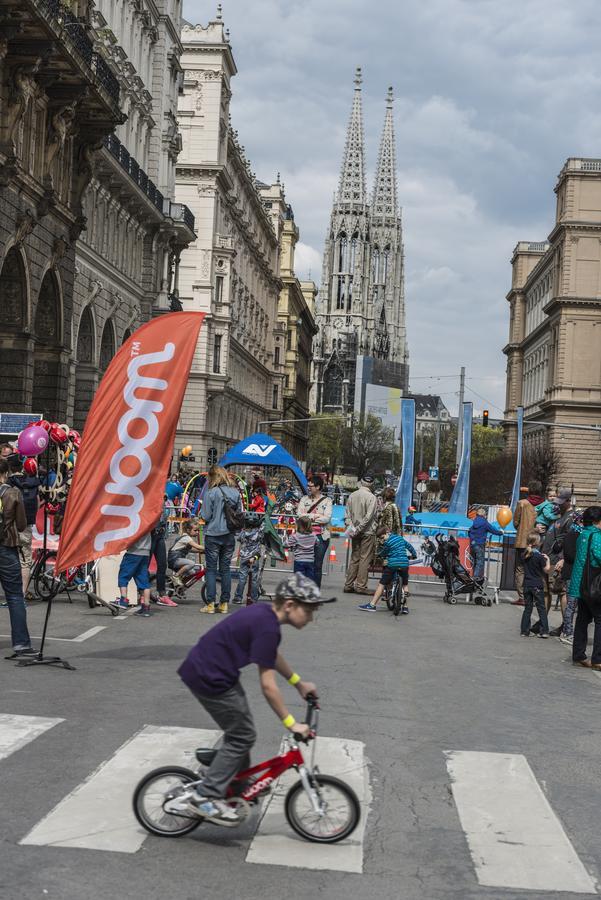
(339,815)
(151,795)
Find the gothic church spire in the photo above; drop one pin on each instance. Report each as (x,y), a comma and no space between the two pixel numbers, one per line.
(351,187)
(384,204)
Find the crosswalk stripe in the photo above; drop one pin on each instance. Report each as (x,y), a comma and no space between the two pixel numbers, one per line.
(17,731)
(515,838)
(98,814)
(277,845)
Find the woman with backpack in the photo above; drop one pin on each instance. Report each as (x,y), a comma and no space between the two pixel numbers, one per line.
(223,516)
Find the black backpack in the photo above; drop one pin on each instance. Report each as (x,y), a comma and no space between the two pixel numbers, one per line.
(234,514)
(28,485)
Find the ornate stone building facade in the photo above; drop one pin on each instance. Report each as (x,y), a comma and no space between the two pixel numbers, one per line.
(361,304)
(554,349)
(58,98)
(90,234)
(293,350)
(232,271)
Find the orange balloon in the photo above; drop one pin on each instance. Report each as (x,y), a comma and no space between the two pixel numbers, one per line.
(186,451)
(504,516)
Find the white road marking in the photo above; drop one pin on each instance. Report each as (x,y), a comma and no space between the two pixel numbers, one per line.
(17,731)
(98,814)
(84,636)
(276,844)
(515,838)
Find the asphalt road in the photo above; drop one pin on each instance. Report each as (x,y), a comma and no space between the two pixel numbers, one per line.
(441,679)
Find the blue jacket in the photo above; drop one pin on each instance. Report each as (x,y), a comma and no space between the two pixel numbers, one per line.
(394,550)
(480,528)
(581,550)
(212,509)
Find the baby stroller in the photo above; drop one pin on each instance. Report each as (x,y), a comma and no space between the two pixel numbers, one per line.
(444,556)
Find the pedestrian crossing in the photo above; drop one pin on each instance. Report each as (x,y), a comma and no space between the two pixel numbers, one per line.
(503,812)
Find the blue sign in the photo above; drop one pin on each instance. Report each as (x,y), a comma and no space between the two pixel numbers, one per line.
(14,423)
(433,473)
(515,494)
(459,497)
(404,494)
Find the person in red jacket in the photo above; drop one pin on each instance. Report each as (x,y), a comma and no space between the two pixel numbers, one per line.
(257,502)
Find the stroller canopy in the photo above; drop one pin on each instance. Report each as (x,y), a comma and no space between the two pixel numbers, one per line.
(262,450)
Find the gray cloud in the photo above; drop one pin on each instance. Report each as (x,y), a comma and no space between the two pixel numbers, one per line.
(491,99)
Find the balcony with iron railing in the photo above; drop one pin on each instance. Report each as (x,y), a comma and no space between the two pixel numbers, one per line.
(74,32)
(179,212)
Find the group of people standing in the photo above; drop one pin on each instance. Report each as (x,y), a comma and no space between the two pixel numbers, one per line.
(558,552)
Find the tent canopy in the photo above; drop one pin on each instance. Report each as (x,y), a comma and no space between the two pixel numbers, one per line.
(262,450)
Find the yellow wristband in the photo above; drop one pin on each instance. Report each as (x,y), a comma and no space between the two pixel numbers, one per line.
(294,679)
(289,721)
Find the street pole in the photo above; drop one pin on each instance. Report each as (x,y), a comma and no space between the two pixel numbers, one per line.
(393,445)
(460,416)
(437,446)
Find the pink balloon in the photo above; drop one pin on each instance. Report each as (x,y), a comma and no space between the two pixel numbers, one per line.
(32,441)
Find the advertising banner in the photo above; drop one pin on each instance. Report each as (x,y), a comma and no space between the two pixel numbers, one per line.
(515,494)
(404,494)
(459,499)
(117,491)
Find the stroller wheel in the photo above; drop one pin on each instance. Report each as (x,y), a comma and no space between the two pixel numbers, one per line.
(477,601)
(452,600)
(486,601)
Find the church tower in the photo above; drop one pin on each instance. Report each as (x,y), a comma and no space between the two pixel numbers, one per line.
(360,312)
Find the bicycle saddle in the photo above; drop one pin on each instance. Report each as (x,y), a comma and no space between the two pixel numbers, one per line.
(206,755)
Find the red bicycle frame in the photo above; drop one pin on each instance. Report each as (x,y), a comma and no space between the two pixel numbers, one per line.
(272,768)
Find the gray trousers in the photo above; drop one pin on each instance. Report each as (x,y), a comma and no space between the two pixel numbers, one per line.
(231,712)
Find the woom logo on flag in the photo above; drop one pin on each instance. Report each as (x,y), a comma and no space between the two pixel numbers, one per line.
(119,480)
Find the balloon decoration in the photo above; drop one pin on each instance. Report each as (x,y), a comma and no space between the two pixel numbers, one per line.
(60,443)
(32,441)
(504,516)
(186,451)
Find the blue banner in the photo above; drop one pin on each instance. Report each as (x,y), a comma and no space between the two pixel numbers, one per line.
(459,499)
(404,494)
(515,494)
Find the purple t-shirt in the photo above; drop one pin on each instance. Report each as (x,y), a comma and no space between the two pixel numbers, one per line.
(250,635)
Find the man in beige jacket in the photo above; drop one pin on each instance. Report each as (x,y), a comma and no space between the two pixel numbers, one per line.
(524,519)
(361,518)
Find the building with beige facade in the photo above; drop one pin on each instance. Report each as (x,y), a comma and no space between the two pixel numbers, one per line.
(232,271)
(554,349)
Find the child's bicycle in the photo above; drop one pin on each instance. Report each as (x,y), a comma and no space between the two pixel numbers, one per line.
(318,807)
(396,595)
(82,579)
(176,587)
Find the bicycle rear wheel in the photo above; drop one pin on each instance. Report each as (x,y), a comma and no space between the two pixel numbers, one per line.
(340,810)
(389,596)
(45,584)
(398,598)
(150,796)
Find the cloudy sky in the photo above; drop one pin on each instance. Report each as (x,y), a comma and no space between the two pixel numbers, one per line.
(491,98)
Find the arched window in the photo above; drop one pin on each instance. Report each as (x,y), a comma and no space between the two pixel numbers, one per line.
(48,373)
(342,252)
(375,264)
(47,311)
(353,256)
(85,338)
(107,346)
(385,261)
(13,293)
(332,387)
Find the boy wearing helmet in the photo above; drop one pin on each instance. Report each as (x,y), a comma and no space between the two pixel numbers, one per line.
(212,672)
(251,551)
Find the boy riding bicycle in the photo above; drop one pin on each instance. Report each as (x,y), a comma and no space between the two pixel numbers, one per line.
(212,672)
(393,550)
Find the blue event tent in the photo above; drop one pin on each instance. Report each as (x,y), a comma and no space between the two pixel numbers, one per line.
(262,450)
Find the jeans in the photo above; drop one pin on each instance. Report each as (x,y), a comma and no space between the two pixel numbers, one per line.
(305,568)
(158,549)
(321,548)
(12,585)
(219,550)
(478,552)
(568,616)
(534,596)
(249,567)
(231,712)
(587,613)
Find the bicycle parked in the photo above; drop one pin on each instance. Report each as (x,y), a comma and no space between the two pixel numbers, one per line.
(81,579)
(320,808)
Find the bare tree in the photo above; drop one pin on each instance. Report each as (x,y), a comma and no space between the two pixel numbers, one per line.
(543,464)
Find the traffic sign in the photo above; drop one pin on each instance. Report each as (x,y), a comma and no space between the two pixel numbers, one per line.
(434,473)
(212,456)
(421,487)
(422,476)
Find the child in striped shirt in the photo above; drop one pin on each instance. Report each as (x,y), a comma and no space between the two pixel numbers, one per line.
(393,551)
(302,543)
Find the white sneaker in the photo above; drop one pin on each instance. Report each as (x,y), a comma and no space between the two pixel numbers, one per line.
(568,639)
(209,808)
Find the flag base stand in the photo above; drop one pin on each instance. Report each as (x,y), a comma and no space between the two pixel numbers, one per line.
(39,659)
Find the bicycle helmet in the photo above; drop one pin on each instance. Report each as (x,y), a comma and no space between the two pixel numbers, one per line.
(252,519)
